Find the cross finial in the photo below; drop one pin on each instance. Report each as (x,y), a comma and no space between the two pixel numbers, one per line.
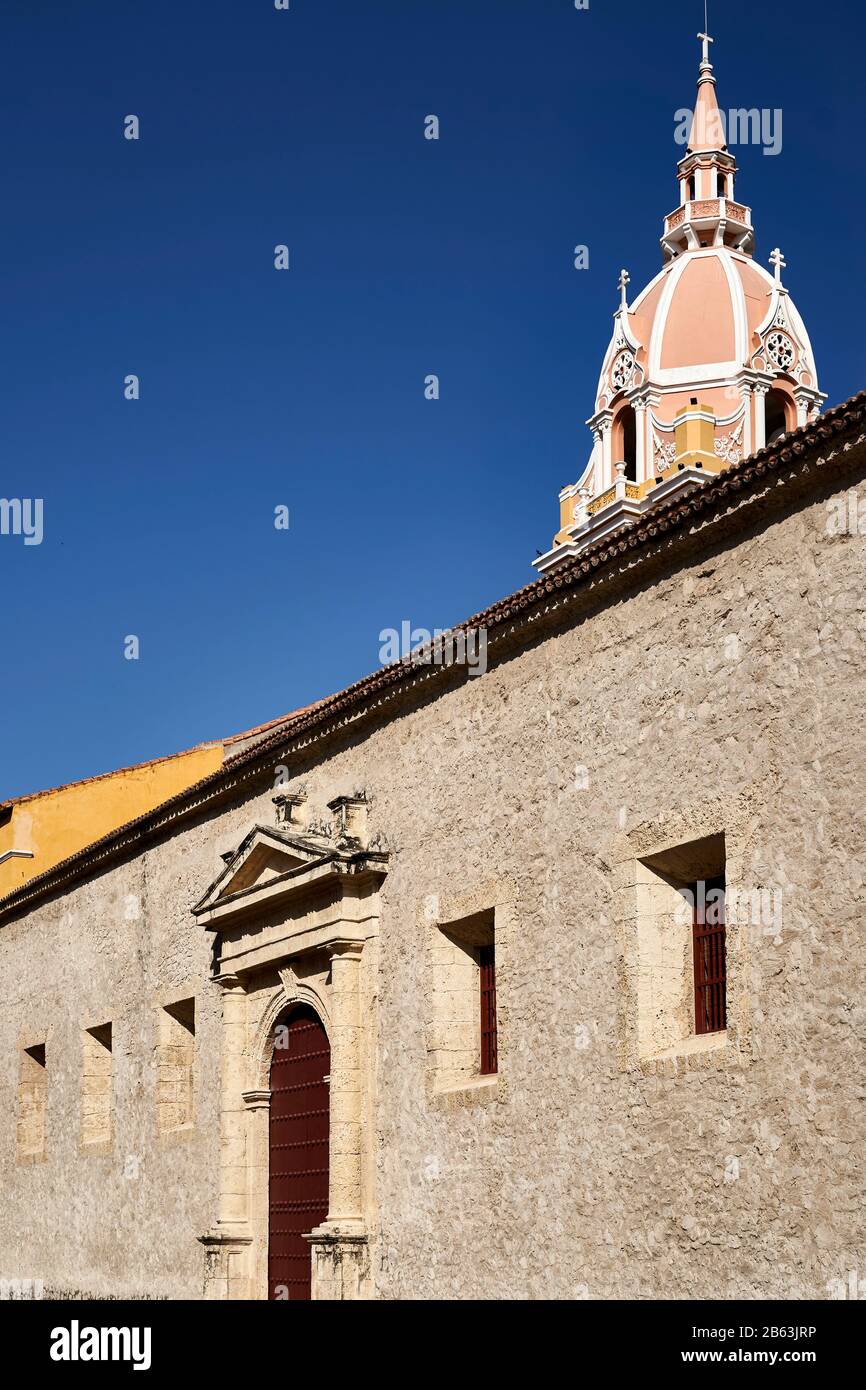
(778,260)
(624,279)
(706,41)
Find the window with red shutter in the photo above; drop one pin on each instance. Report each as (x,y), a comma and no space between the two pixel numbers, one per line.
(464,1043)
(708,938)
(487,972)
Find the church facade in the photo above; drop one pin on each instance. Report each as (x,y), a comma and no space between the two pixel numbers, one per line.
(545,983)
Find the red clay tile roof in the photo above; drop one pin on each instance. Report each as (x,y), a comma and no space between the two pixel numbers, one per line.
(263,728)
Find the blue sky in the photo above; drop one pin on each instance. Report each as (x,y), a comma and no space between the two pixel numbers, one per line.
(305,388)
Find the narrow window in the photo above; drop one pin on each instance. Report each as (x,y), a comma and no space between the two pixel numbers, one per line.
(709,956)
(690,188)
(175,1066)
(487,973)
(680,974)
(32,1102)
(462,1041)
(96,1085)
(625,441)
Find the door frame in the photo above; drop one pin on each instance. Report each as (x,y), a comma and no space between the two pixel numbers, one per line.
(310,936)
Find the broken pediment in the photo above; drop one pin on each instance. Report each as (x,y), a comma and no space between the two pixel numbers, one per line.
(271,865)
(262,856)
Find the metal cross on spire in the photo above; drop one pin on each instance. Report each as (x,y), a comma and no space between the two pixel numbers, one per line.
(705,38)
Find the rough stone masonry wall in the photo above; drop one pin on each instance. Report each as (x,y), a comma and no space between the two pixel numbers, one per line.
(730,690)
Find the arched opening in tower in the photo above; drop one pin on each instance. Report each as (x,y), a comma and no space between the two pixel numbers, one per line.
(778,416)
(626,442)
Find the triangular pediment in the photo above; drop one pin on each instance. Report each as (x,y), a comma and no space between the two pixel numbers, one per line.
(263,856)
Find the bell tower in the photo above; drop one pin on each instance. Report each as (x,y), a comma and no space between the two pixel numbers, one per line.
(708,214)
(709,363)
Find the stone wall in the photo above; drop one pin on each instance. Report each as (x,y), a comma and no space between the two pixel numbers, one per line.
(720,695)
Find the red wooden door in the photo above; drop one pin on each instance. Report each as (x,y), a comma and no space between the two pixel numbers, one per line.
(298,1150)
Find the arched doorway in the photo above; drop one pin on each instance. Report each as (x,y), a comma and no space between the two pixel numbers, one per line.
(298,1148)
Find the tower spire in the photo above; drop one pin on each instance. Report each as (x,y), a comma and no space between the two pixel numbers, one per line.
(708,132)
(708,214)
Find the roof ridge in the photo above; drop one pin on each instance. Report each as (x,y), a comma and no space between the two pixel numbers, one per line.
(667,516)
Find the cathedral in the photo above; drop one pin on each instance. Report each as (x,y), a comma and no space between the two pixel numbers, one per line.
(541,981)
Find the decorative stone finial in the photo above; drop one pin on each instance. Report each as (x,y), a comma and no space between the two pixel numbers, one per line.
(287,804)
(350,818)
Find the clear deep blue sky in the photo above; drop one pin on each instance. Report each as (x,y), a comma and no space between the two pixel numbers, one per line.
(305,388)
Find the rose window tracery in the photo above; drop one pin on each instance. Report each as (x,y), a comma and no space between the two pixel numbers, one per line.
(780,349)
(623,370)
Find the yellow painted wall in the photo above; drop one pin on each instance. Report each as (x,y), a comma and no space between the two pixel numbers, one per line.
(55,824)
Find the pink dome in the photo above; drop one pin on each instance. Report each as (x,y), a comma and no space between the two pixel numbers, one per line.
(706,317)
(702,317)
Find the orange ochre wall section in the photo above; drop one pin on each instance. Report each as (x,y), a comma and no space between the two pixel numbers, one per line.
(54,824)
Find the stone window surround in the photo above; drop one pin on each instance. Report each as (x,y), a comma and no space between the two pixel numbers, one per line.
(96,1074)
(437,914)
(27,1044)
(732,819)
(162,1004)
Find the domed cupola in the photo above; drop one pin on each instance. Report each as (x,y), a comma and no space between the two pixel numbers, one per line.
(710,362)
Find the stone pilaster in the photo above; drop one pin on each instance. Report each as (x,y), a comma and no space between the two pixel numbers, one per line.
(340,1246)
(802,409)
(226,1246)
(606,428)
(258,1108)
(747,419)
(640,417)
(761,393)
(346,1198)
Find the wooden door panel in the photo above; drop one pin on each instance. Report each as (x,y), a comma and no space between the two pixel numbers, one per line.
(299,1125)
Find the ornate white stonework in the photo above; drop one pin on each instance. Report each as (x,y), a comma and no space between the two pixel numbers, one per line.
(623,371)
(781,350)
